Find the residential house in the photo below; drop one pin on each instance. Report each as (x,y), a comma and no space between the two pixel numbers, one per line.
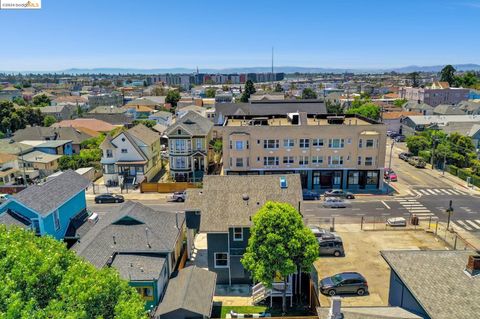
(89,123)
(419,123)
(416,106)
(393,120)
(181,111)
(188,295)
(435,284)
(9,169)
(76,100)
(435,95)
(446,109)
(270,96)
(115,119)
(138,111)
(223,210)
(44,163)
(131,156)
(9,93)
(188,144)
(162,117)
(470,107)
(327,151)
(63,111)
(47,208)
(109,109)
(98,100)
(144,245)
(58,147)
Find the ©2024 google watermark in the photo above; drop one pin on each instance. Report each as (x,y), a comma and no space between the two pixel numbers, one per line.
(20,4)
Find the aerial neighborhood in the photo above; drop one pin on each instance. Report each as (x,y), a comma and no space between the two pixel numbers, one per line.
(249,192)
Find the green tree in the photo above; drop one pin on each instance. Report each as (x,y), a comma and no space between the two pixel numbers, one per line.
(359,101)
(210,92)
(468,80)
(333,108)
(399,102)
(417,143)
(147,123)
(41,278)
(448,75)
(278,88)
(414,79)
(19,101)
(309,94)
(279,245)
(173,96)
(217,146)
(41,100)
(49,120)
(159,91)
(368,110)
(248,91)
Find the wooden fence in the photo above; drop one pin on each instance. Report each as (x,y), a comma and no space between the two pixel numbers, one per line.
(11,189)
(166,187)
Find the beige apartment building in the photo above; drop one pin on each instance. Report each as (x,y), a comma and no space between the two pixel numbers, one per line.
(327,151)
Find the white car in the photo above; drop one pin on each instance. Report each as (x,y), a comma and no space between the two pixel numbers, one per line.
(334,202)
(179,196)
(3,198)
(397,222)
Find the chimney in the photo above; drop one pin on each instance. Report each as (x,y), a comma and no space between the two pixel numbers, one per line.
(336,308)
(473,265)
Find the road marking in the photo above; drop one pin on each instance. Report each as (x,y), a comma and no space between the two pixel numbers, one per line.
(436,190)
(424,214)
(385,204)
(380,208)
(431,192)
(472,224)
(466,208)
(360,214)
(424,192)
(386,214)
(417,192)
(420,211)
(477,221)
(355,208)
(446,191)
(464,225)
(453,224)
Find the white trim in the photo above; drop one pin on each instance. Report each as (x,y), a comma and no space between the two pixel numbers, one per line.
(241,232)
(215,260)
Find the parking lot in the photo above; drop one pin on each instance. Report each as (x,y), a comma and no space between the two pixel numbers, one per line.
(362,254)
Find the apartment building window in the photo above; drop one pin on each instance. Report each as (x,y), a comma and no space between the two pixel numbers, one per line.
(303,160)
(359,161)
(270,144)
(221,260)
(335,160)
(360,143)
(239,145)
(288,143)
(270,161)
(317,142)
(336,143)
(288,160)
(368,161)
(372,178)
(353,178)
(317,159)
(304,143)
(230,143)
(237,233)
(109,153)
(239,162)
(369,143)
(124,150)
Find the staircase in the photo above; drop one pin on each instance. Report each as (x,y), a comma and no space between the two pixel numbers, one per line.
(260,292)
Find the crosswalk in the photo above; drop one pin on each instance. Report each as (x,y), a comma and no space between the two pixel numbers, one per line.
(415,208)
(435,192)
(467,224)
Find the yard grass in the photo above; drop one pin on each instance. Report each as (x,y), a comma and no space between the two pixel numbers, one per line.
(221,311)
(241,309)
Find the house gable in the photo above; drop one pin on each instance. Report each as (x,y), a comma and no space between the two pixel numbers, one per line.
(123,142)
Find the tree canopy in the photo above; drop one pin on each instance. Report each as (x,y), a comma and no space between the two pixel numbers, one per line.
(173,96)
(12,119)
(210,92)
(49,120)
(249,90)
(42,279)
(448,75)
(279,245)
(368,110)
(41,100)
(415,79)
(309,94)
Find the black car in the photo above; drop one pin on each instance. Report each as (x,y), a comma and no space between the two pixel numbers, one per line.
(338,193)
(310,195)
(405,156)
(400,138)
(344,283)
(109,198)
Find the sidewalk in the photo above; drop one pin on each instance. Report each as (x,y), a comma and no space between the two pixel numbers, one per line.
(136,195)
(456,182)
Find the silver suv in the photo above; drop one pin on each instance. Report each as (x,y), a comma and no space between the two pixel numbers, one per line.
(331,246)
(344,283)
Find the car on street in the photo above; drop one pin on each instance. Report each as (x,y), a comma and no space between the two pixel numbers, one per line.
(397,222)
(330,247)
(344,283)
(179,196)
(321,232)
(400,138)
(109,198)
(417,161)
(338,193)
(334,202)
(310,195)
(405,156)
(390,175)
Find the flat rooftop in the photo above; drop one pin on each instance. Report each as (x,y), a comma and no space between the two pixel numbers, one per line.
(303,119)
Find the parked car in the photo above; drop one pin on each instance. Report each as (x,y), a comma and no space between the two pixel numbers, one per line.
(331,246)
(390,175)
(400,138)
(3,198)
(417,161)
(179,196)
(397,222)
(334,202)
(310,195)
(390,133)
(109,198)
(321,232)
(338,193)
(405,156)
(344,283)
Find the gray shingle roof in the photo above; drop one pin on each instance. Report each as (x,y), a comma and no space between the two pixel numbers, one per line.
(193,123)
(125,230)
(144,134)
(438,282)
(111,118)
(139,267)
(370,313)
(443,119)
(36,133)
(446,109)
(11,219)
(414,105)
(221,201)
(192,290)
(47,197)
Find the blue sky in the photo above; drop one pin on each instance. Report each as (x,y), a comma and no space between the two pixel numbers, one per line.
(218,34)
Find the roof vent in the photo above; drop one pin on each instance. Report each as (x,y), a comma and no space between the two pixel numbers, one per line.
(473,265)
(283,182)
(245,197)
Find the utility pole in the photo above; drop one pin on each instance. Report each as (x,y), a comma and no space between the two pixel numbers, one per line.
(435,141)
(449,211)
(23,166)
(391,152)
(444,163)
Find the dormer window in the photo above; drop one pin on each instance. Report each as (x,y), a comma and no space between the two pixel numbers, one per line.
(179,132)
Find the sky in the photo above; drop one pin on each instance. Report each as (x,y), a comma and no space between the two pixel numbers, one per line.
(220,34)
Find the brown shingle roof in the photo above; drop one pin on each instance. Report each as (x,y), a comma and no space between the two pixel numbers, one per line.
(144,134)
(397,115)
(92,124)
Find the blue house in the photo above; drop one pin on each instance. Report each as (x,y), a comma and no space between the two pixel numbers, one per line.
(57,147)
(48,208)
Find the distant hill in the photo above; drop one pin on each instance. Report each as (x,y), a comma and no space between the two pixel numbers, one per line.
(285,69)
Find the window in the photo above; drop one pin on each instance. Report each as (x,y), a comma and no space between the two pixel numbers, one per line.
(288,160)
(304,143)
(270,144)
(288,143)
(237,233)
(221,260)
(303,160)
(368,161)
(336,143)
(145,292)
(239,162)
(230,144)
(318,142)
(124,150)
(270,161)
(109,169)
(353,178)
(109,153)
(335,160)
(180,162)
(360,143)
(199,144)
(372,178)
(36,226)
(239,145)
(317,159)
(369,143)
(56,219)
(359,161)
